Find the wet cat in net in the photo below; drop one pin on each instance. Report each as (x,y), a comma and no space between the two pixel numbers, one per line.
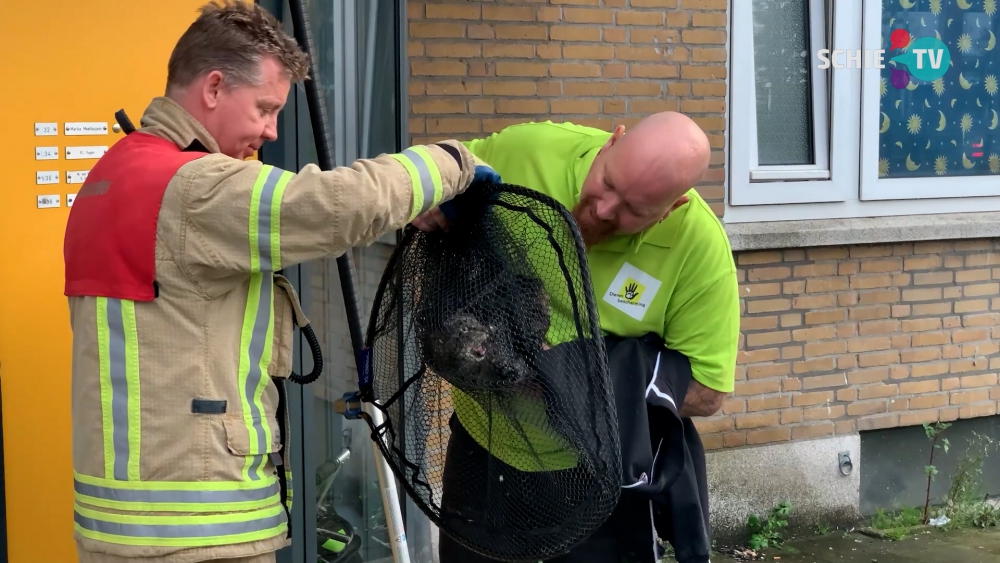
(487,337)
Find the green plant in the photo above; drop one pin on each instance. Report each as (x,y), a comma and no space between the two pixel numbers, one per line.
(905,517)
(668,550)
(894,534)
(964,506)
(968,475)
(933,434)
(822,529)
(766,531)
(893,525)
(986,516)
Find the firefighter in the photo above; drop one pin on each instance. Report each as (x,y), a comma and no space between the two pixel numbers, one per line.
(182,330)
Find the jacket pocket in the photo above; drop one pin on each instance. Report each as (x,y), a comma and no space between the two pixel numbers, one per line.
(287,315)
(240,440)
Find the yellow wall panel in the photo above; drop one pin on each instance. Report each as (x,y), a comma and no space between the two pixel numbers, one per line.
(65,61)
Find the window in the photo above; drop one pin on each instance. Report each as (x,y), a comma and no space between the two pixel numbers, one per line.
(940,138)
(791,135)
(813,143)
(790,95)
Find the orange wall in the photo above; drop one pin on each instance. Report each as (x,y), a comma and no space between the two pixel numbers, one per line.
(78,60)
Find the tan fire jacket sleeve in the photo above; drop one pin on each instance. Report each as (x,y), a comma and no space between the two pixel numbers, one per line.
(244,216)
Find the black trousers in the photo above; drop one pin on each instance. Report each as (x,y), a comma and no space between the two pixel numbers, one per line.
(627,536)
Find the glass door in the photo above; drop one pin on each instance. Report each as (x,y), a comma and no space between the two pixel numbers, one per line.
(359,50)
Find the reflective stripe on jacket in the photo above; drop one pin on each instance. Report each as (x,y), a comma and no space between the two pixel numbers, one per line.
(175,428)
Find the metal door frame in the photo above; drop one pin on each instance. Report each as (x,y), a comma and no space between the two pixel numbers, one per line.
(285,153)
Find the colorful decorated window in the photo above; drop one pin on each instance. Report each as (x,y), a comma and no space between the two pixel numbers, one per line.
(875,108)
(938,99)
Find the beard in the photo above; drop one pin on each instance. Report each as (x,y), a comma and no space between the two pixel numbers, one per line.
(593,230)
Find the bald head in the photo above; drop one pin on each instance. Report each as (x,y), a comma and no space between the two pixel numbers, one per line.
(661,158)
(640,176)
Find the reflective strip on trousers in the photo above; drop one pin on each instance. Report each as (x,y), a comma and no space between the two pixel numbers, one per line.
(425,177)
(118,353)
(174,496)
(186,531)
(258,318)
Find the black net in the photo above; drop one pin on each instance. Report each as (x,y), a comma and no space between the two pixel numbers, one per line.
(501,423)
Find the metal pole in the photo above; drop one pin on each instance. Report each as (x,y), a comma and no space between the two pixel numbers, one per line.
(324,151)
(369,95)
(390,497)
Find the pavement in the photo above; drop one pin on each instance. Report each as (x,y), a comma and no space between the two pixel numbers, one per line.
(927,546)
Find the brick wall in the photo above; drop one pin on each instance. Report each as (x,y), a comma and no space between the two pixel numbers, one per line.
(476,67)
(840,340)
(835,340)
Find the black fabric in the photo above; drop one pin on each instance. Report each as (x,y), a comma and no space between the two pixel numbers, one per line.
(496,315)
(463,499)
(208,406)
(279,460)
(196,146)
(651,382)
(627,536)
(681,517)
(453,152)
(664,481)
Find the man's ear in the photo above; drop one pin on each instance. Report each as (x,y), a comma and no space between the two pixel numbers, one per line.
(212,89)
(680,201)
(615,135)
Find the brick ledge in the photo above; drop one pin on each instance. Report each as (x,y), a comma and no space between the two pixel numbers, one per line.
(867,230)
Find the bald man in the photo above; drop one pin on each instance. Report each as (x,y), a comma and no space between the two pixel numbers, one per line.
(659,258)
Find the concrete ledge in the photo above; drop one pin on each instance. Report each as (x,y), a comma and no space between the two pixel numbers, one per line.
(753,480)
(867,230)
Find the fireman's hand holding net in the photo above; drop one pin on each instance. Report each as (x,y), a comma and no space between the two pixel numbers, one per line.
(491,329)
(447,213)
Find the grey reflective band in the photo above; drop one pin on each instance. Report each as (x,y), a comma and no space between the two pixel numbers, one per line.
(425,177)
(264,245)
(426,181)
(175,496)
(121,419)
(119,388)
(179,530)
(264,219)
(258,338)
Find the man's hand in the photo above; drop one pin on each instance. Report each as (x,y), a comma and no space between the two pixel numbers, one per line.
(431,220)
(701,401)
(438,218)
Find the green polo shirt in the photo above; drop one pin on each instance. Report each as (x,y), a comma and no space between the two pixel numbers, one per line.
(676,279)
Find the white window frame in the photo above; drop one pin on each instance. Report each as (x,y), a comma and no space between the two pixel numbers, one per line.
(854,189)
(834,137)
(820,110)
(874,188)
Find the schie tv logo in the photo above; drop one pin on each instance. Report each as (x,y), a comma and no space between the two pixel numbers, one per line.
(926,58)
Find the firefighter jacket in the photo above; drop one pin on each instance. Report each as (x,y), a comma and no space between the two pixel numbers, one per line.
(182,331)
